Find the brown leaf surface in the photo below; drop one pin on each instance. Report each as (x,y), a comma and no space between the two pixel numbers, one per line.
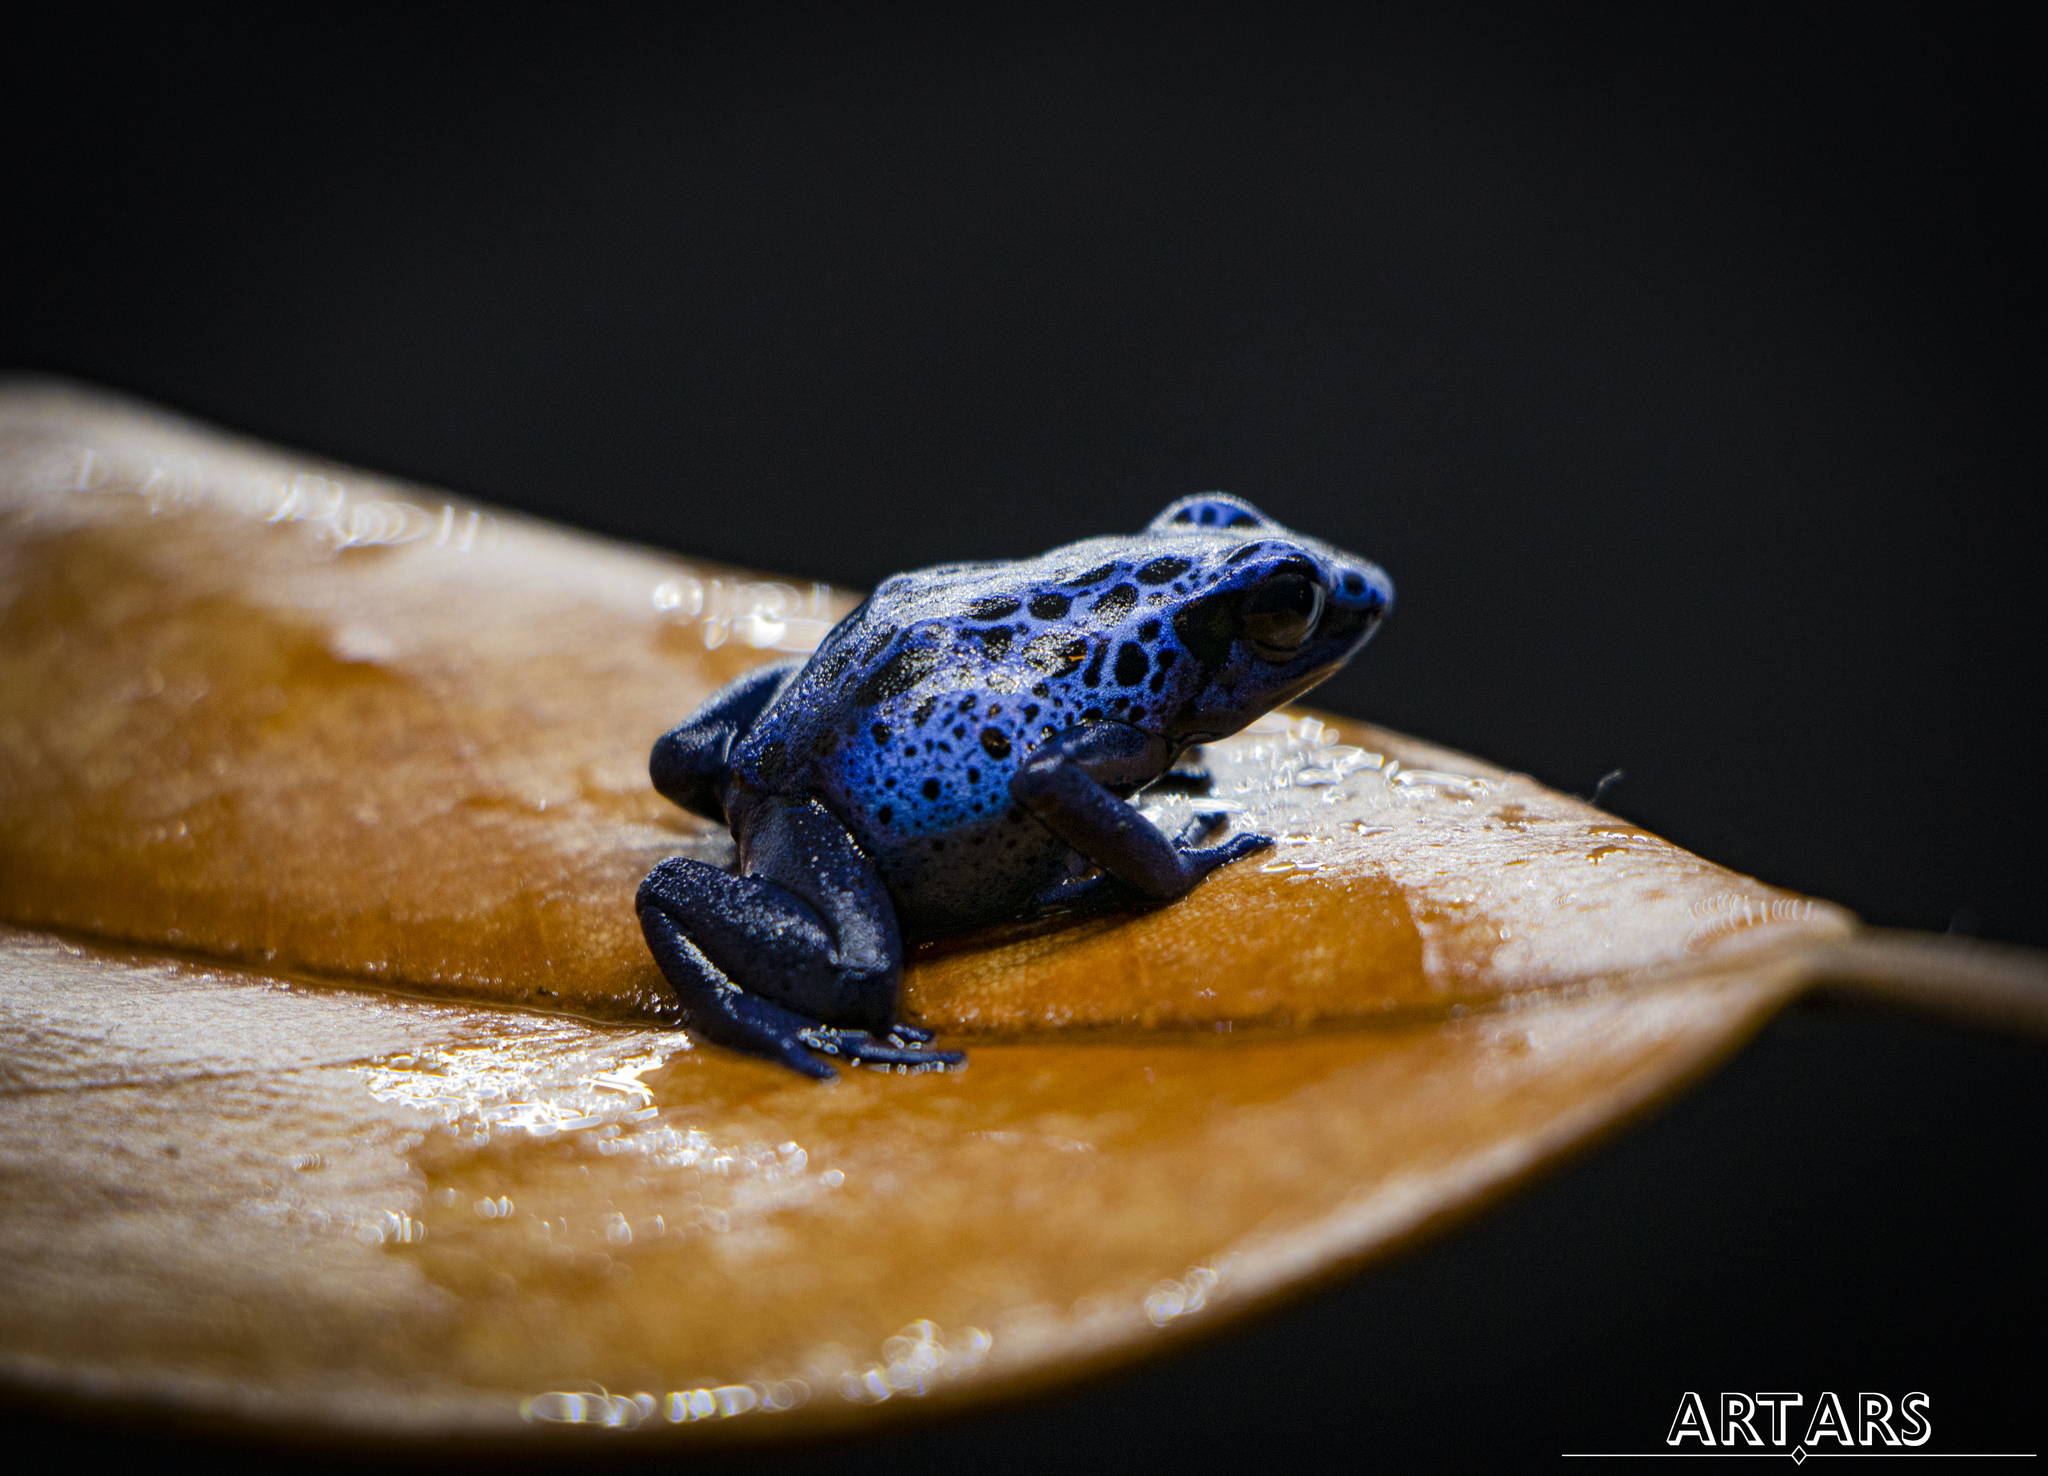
(279,717)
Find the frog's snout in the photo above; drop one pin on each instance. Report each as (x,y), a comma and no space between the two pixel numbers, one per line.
(1359,596)
(1358,585)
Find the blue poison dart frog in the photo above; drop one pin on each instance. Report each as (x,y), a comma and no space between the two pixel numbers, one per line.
(963,748)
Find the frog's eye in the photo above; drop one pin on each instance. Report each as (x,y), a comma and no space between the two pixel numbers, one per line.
(1210,510)
(1281,612)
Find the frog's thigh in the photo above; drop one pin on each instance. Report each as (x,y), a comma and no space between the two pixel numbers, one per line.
(801,846)
(815,946)
(711,1004)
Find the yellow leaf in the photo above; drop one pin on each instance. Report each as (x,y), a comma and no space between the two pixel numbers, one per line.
(269,722)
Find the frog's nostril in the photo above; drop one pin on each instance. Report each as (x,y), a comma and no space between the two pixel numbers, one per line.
(1368,590)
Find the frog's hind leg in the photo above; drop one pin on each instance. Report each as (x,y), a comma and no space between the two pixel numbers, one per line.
(800,953)
(711,1005)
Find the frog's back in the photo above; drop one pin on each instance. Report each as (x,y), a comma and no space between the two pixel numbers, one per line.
(911,719)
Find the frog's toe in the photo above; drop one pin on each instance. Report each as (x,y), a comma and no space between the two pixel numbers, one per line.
(859,1046)
(799,1059)
(1236,848)
(903,1034)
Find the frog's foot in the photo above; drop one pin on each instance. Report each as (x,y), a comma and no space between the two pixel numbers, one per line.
(801,955)
(893,1050)
(1205,859)
(712,1007)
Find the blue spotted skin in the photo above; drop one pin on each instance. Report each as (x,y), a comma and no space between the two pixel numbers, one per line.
(912,723)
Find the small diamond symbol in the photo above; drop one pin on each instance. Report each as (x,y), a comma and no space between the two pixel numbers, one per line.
(1799,1455)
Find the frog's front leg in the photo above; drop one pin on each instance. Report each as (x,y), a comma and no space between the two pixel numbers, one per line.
(1069,783)
(798,953)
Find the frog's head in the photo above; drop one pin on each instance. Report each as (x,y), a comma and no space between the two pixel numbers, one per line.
(1269,613)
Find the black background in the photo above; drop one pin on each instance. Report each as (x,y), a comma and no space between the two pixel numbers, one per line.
(1683,373)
